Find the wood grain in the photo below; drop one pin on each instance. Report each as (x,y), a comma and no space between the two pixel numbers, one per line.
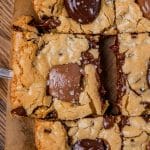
(6,13)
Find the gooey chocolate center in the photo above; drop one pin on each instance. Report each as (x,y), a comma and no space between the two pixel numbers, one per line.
(64,82)
(145,7)
(83,11)
(89,144)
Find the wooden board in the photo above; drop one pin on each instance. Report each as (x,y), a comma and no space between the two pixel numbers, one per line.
(6,13)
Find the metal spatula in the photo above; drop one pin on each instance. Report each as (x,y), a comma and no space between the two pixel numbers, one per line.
(6,73)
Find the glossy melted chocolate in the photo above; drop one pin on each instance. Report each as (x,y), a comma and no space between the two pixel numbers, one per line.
(83,11)
(64,82)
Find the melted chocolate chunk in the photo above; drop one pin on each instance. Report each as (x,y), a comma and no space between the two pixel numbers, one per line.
(113,109)
(108,121)
(148,75)
(83,11)
(19,111)
(64,82)
(121,77)
(145,7)
(89,144)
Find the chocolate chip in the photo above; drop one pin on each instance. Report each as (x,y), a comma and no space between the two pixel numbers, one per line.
(64,82)
(146,116)
(146,105)
(148,75)
(134,35)
(83,11)
(89,144)
(93,42)
(52,115)
(19,111)
(17,28)
(115,110)
(47,131)
(145,7)
(48,23)
(132,140)
(108,121)
(87,58)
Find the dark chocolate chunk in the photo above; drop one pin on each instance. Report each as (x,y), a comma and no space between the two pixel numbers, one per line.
(83,11)
(148,75)
(89,144)
(124,121)
(121,77)
(48,23)
(64,82)
(108,121)
(87,58)
(93,43)
(146,117)
(19,111)
(51,115)
(145,7)
(116,110)
(112,109)
(17,28)
(134,35)
(146,105)
(48,131)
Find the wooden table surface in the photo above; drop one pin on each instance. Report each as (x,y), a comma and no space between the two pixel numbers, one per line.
(6,13)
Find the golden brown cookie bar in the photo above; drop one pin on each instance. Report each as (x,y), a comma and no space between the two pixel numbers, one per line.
(88,133)
(133,15)
(86,16)
(50,135)
(133,60)
(55,75)
(135,133)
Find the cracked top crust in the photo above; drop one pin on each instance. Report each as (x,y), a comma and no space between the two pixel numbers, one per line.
(136,48)
(84,129)
(34,56)
(55,10)
(130,18)
(136,134)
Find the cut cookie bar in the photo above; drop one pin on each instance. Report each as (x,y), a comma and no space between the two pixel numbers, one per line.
(86,16)
(56,76)
(88,133)
(133,62)
(133,15)
(135,133)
